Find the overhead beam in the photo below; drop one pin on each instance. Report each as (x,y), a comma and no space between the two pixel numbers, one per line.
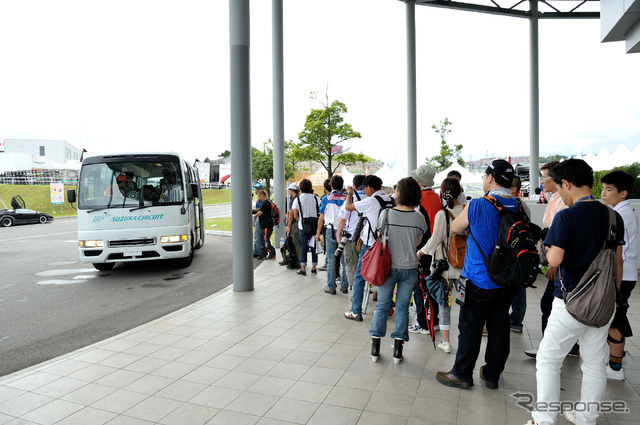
(507,11)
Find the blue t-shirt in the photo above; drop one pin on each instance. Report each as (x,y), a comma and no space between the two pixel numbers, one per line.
(330,207)
(580,230)
(484,222)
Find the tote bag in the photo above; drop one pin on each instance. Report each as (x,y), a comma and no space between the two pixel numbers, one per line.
(376,262)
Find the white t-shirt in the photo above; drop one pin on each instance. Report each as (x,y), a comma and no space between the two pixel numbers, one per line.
(309,204)
(370,207)
(351,217)
(630,248)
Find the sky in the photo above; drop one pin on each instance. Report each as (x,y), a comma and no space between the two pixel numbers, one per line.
(153,75)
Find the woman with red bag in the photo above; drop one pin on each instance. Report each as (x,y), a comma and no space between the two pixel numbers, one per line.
(405,230)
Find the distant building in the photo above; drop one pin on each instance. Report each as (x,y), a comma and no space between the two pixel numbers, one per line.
(34,154)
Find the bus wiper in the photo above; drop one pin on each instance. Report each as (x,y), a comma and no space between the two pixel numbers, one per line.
(103,208)
(147,206)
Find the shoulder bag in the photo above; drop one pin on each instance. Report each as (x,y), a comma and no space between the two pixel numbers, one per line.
(376,262)
(593,301)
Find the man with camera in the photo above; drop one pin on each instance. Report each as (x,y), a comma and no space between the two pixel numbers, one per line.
(328,219)
(483,301)
(347,223)
(369,208)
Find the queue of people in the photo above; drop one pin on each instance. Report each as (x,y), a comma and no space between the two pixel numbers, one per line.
(417,224)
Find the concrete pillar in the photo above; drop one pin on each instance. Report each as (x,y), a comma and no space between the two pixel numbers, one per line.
(534,135)
(278,116)
(412,139)
(242,240)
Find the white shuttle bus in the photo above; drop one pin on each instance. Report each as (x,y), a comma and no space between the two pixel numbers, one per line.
(138,207)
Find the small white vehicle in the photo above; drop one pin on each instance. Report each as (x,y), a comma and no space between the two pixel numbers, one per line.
(138,207)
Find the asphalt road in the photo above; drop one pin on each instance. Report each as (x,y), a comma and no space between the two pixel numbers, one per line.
(51,304)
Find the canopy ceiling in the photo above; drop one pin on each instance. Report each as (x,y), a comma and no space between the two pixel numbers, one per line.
(549,9)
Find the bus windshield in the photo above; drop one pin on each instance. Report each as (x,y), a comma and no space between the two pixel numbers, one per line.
(130,184)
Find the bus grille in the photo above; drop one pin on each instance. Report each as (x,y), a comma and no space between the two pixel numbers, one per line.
(132,242)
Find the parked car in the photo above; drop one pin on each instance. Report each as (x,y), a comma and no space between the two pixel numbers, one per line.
(22,216)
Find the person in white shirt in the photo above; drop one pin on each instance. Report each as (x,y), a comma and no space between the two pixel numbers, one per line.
(369,208)
(307,207)
(616,187)
(438,244)
(347,223)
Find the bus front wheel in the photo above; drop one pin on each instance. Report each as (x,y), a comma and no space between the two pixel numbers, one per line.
(186,262)
(104,266)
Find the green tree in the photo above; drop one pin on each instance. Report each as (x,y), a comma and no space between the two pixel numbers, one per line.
(225,153)
(323,130)
(447,153)
(262,166)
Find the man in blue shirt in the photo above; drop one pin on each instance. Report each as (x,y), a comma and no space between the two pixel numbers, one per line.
(485,302)
(329,215)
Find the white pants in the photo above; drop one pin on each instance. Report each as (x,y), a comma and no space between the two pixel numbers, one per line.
(561,333)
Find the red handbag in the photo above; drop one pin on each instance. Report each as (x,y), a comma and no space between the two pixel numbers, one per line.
(376,262)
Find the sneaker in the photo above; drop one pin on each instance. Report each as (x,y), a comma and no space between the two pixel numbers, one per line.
(314,271)
(616,375)
(530,422)
(450,380)
(514,329)
(575,352)
(338,281)
(570,415)
(301,272)
(626,359)
(323,268)
(531,353)
(445,346)
(344,289)
(352,316)
(283,262)
(416,329)
(331,291)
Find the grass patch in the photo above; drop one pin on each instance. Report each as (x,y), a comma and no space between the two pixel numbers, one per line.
(38,198)
(223,223)
(216,196)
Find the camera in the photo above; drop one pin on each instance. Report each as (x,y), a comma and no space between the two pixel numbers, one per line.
(439,266)
(345,238)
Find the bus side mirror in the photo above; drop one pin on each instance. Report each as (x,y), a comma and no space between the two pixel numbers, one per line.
(71,196)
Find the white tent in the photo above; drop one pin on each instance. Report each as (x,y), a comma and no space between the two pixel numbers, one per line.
(467,176)
(318,178)
(388,175)
(603,161)
(347,176)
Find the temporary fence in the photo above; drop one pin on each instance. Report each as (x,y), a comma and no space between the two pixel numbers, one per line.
(39,177)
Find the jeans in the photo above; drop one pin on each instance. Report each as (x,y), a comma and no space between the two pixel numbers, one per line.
(518,308)
(332,244)
(359,284)
(406,280)
(257,238)
(560,335)
(304,247)
(490,306)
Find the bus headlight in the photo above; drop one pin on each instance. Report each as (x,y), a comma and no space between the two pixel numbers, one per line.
(174,239)
(91,244)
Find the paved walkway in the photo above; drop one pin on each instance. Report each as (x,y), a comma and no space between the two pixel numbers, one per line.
(281,354)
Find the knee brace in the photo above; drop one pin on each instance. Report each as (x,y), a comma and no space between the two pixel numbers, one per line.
(613,340)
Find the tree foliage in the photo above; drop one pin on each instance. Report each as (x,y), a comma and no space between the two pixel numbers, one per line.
(447,154)
(262,165)
(323,130)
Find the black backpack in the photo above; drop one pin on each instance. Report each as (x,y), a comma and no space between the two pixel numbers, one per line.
(514,262)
